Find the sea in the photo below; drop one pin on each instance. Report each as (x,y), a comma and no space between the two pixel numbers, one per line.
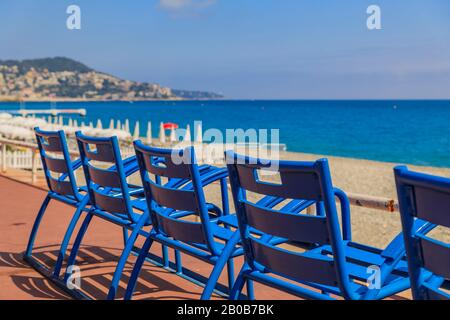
(400,131)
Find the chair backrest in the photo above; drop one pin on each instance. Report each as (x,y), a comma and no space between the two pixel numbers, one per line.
(108,188)
(301,181)
(58,168)
(155,164)
(425,197)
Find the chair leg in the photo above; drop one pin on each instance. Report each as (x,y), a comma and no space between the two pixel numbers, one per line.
(239,284)
(125,235)
(124,257)
(178,262)
(165,256)
(37,222)
(224,194)
(230,271)
(219,265)
(137,268)
(250,290)
(76,245)
(67,236)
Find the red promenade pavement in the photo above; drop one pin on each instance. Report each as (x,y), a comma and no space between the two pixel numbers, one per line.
(19,204)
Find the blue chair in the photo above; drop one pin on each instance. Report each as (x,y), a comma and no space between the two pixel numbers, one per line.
(118,202)
(59,172)
(174,211)
(317,258)
(427,198)
(112,198)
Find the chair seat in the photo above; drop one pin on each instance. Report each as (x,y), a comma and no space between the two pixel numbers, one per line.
(359,275)
(358,254)
(221,232)
(139,204)
(229,219)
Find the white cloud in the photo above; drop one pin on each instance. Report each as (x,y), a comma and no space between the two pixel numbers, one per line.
(176,5)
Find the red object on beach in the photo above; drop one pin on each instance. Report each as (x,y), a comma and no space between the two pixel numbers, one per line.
(170,125)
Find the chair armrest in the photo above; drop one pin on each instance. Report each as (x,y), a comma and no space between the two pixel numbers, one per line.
(130,165)
(214,209)
(345,214)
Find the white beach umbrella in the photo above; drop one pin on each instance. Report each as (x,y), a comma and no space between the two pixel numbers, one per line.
(199,133)
(99,124)
(149,132)
(173,136)
(162,133)
(16,133)
(136,131)
(5,116)
(23,122)
(126,126)
(111,124)
(118,125)
(187,135)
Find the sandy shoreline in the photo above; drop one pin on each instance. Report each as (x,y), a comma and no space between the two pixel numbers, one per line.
(369,177)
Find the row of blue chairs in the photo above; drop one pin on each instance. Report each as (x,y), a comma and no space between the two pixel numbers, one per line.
(309,255)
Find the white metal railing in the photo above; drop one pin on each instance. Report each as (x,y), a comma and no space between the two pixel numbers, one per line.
(29,159)
(18,159)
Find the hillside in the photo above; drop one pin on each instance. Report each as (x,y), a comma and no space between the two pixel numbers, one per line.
(64,78)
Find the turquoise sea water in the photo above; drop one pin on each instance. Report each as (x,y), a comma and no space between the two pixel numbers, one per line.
(415,132)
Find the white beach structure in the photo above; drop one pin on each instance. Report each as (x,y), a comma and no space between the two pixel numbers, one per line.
(172,136)
(5,116)
(99,124)
(162,133)
(149,133)
(199,133)
(136,131)
(15,133)
(187,135)
(126,126)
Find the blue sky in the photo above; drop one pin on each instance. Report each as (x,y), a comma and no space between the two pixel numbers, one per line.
(252,49)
